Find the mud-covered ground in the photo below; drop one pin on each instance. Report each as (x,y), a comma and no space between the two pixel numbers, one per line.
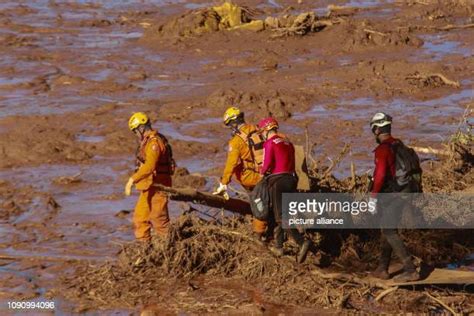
(72,73)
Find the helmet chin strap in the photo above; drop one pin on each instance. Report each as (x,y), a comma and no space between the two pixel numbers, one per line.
(234,127)
(140,131)
(266,134)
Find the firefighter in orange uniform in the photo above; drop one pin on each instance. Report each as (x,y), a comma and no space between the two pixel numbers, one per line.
(155,166)
(244,159)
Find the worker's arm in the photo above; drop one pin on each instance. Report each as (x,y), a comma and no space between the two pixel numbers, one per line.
(382,155)
(268,157)
(233,160)
(152,155)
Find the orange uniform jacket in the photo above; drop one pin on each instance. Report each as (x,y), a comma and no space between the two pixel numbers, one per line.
(155,168)
(239,160)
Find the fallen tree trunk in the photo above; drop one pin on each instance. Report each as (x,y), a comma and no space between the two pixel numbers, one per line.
(234,205)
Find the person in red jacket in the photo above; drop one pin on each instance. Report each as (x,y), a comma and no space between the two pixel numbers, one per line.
(383,182)
(279,166)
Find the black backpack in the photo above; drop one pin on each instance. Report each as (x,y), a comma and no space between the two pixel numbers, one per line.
(260,200)
(407,167)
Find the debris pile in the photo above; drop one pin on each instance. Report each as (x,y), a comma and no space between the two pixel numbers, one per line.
(226,250)
(302,24)
(229,16)
(454,170)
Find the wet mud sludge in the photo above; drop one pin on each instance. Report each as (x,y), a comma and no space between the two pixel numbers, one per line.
(73,72)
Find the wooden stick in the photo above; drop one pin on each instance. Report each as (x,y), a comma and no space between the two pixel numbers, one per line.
(446,80)
(335,163)
(443,78)
(353,175)
(385,292)
(306,136)
(346,277)
(429,150)
(192,195)
(440,302)
(452,26)
(313,164)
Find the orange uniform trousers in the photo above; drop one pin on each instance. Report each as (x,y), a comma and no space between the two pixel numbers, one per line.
(151,211)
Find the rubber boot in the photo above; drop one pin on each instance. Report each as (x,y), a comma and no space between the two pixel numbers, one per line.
(406,276)
(301,257)
(409,272)
(279,236)
(381,272)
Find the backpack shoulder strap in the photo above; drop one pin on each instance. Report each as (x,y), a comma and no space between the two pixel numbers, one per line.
(244,136)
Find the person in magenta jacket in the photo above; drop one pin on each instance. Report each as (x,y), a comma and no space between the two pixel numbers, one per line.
(279,167)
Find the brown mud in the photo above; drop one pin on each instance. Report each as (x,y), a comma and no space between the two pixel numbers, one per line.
(72,73)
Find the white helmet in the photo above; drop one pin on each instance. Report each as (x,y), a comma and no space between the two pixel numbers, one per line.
(380,119)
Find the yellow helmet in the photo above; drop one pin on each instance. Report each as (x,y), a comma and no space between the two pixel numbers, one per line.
(231,114)
(137,119)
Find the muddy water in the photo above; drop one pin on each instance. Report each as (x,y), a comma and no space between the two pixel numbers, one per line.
(71,52)
(63,58)
(85,227)
(430,131)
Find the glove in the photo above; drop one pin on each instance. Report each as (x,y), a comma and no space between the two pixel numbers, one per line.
(373,203)
(222,190)
(128,187)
